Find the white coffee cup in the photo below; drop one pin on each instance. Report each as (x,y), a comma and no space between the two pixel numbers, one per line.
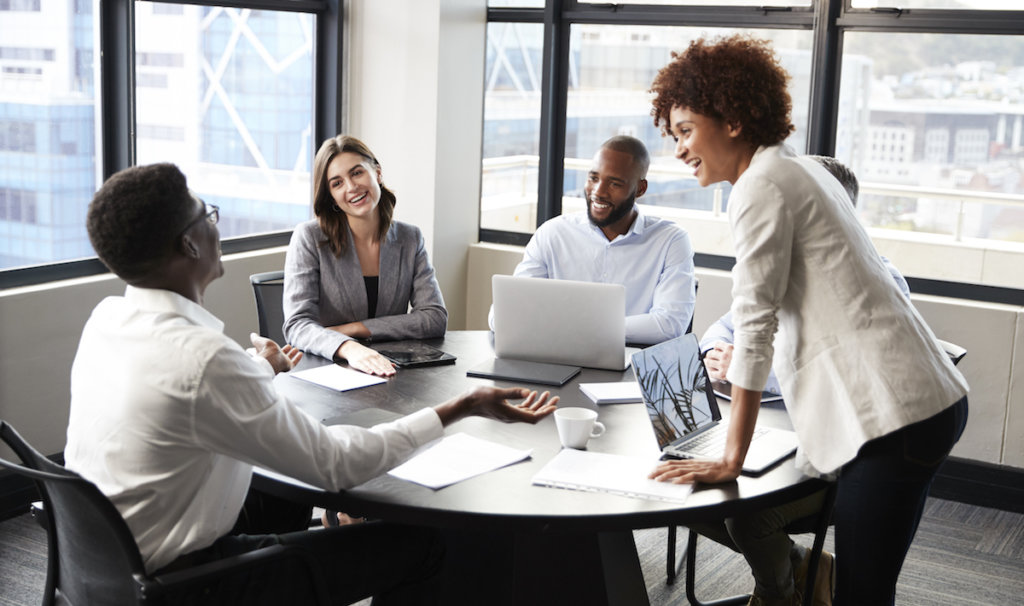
(576,426)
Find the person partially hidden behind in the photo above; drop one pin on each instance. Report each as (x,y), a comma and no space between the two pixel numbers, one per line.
(353,272)
(169,416)
(717,342)
(613,242)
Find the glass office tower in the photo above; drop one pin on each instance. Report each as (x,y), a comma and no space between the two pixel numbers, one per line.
(226,94)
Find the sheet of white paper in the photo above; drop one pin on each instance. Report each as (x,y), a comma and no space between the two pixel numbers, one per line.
(336,377)
(455,458)
(602,472)
(613,392)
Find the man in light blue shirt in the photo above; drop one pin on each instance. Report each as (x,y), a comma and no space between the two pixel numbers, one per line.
(717,341)
(614,243)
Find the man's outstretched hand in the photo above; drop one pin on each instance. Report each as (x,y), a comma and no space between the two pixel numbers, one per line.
(493,403)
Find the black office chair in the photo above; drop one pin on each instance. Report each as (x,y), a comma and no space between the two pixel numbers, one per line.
(93,558)
(817,523)
(268,287)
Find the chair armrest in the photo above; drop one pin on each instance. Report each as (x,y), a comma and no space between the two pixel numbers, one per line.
(179,581)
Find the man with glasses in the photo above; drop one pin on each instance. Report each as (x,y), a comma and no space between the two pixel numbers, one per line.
(168,416)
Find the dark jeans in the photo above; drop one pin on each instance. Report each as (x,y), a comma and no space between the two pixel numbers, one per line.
(396,564)
(879,503)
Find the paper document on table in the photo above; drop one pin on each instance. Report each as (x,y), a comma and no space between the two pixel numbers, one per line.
(622,392)
(455,458)
(337,378)
(615,474)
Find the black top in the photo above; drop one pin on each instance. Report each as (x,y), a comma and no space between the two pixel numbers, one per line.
(371,295)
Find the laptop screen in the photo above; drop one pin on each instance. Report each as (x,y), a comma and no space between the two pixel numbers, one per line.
(676,389)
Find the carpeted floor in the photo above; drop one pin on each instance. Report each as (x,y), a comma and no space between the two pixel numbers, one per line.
(962,556)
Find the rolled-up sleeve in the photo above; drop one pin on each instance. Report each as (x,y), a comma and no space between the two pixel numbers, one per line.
(763,234)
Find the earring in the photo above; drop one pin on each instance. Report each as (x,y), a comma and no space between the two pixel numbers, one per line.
(335,208)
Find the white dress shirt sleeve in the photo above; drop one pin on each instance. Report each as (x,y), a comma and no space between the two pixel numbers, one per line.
(762,230)
(241,415)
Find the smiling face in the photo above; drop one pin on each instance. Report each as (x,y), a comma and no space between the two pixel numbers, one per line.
(713,149)
(613,184)
(354,184)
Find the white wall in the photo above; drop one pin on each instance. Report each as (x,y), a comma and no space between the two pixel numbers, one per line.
(993,335)
(416,98)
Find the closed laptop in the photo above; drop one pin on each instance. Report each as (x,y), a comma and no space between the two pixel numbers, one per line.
(560,322)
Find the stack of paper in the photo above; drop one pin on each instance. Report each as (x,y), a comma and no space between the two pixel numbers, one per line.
(615,474)
(455,458)
(613,393)
(336,377)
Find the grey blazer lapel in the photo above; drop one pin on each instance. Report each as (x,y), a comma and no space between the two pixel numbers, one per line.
(390,271)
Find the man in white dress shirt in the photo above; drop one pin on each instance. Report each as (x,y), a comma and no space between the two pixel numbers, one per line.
(614,243)
(169,416)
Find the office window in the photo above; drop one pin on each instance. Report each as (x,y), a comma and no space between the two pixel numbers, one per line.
(20,5)
(511,139)
(47,132)
(516,3)
(933,126)
(925,102)
(989,5)
(234,109)
(758,3)
(611,70)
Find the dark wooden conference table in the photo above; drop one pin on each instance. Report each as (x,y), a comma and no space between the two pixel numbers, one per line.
(510,542)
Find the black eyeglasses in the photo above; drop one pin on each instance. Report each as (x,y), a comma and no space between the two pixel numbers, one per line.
(212,215)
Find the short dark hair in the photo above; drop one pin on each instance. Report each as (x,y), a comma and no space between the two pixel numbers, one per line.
(842,173)
(737,80)
(135,217)
(632,146)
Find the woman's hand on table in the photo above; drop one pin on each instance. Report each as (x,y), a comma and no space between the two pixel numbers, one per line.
(690,471)
(362,358)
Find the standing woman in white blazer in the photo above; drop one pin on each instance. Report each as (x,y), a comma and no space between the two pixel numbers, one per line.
(353,273)
(871,394)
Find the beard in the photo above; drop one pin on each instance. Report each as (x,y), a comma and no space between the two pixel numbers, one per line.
(618,211)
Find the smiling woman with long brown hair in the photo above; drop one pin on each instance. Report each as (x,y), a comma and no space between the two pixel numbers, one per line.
(353,272)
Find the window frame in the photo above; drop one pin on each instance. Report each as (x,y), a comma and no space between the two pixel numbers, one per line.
(115,94)
(829,20)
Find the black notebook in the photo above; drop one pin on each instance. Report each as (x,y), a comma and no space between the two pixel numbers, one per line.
(505,369)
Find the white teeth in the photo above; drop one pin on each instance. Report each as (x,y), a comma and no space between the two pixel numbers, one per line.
(354,200)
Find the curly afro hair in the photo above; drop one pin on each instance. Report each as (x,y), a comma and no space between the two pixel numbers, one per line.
(737,80)
(135,217)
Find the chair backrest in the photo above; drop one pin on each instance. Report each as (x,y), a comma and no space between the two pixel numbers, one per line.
(98,560)
(268,287)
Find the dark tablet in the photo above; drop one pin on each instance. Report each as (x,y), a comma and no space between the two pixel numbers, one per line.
(503,369)
(410,354)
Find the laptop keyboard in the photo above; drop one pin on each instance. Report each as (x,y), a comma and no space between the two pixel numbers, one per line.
(711,443)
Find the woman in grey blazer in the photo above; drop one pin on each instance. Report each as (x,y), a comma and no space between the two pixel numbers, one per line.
(354,273)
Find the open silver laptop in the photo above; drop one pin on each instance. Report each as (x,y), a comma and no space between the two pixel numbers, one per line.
(560,322)
(684,412)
